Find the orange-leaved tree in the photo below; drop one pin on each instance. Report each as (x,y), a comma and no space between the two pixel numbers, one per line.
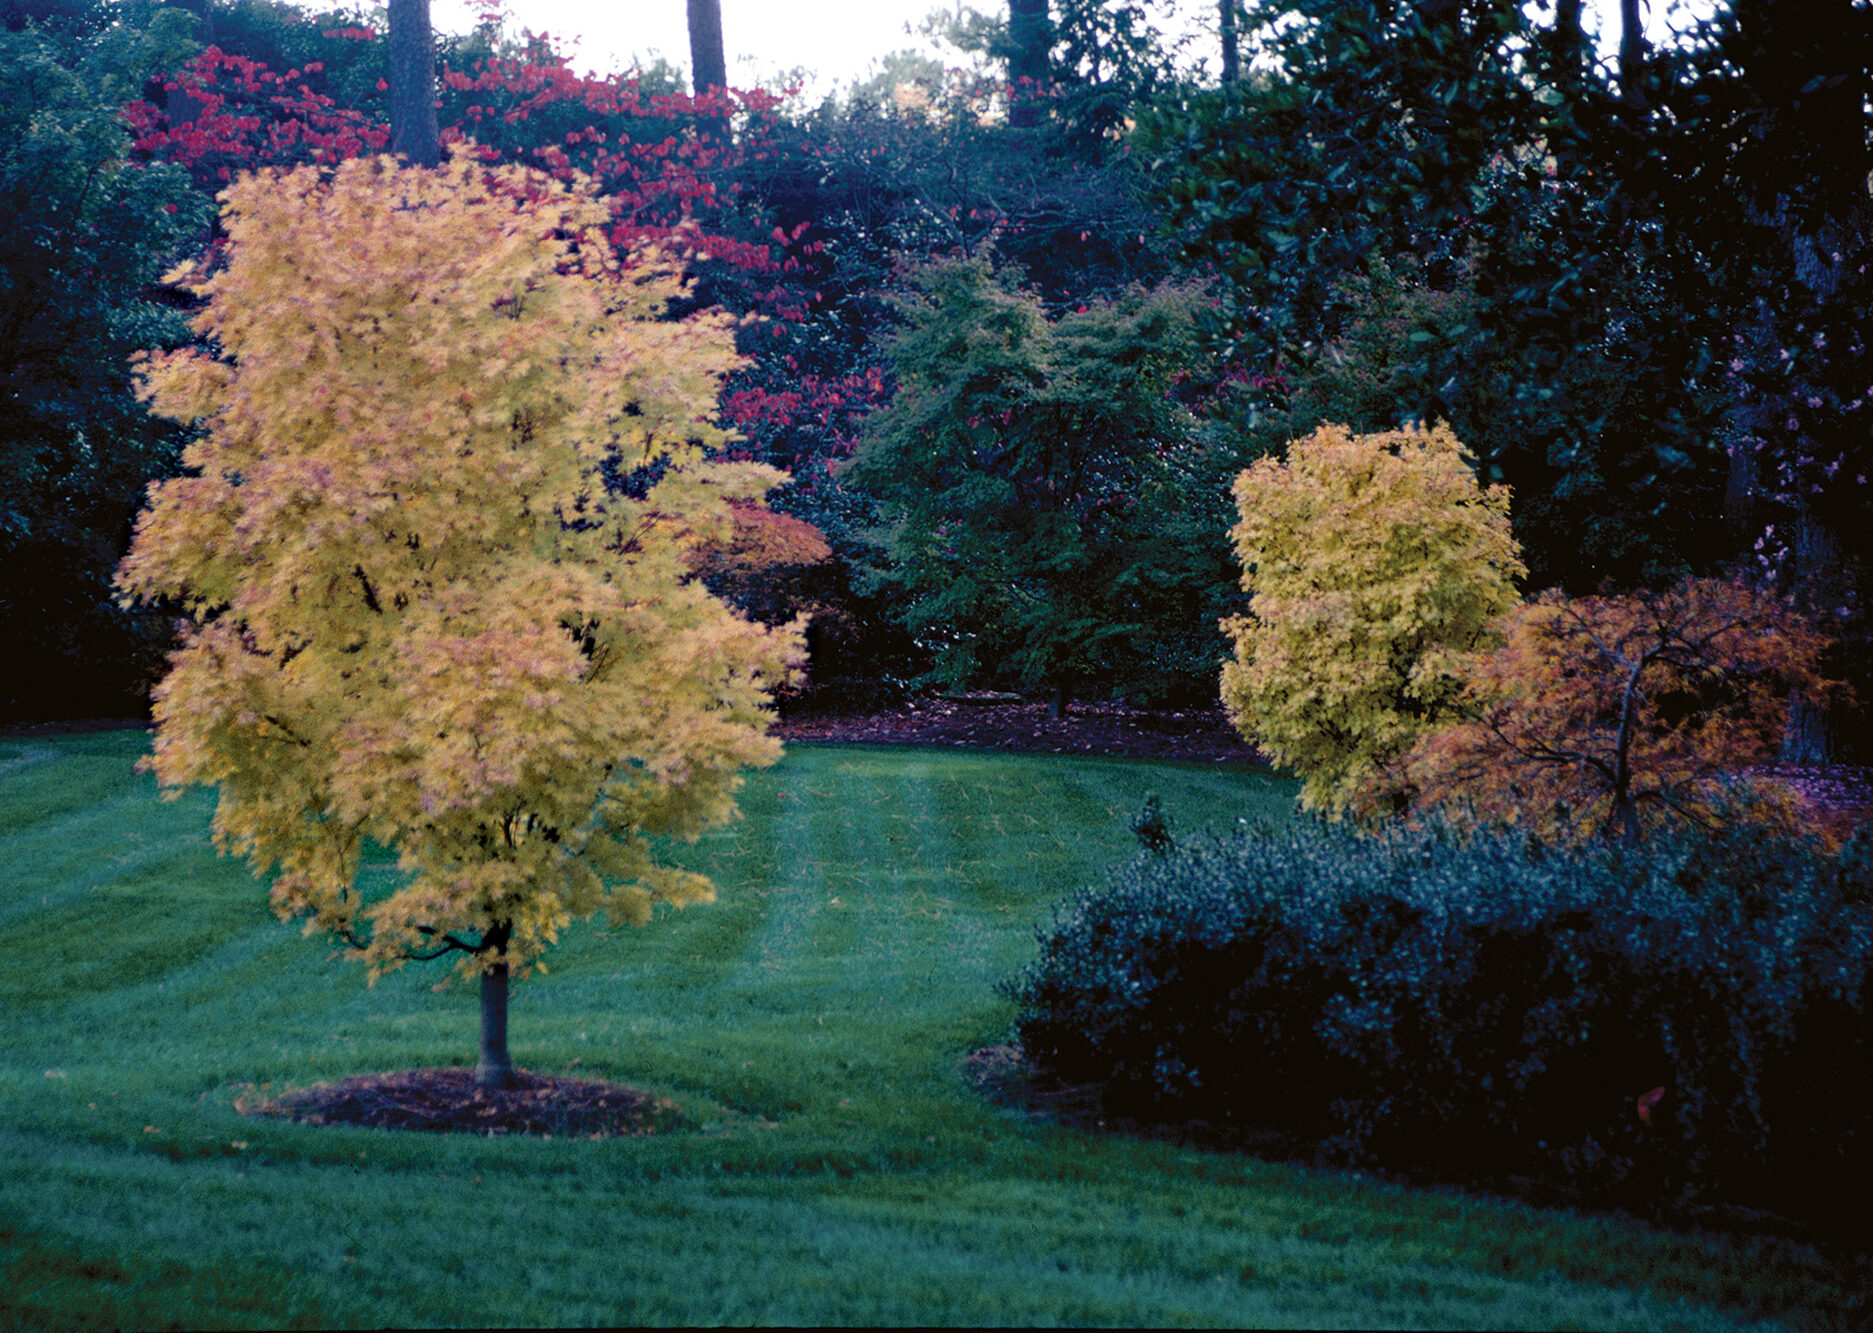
(762,566)
(417,612)
(1615,713)
(1372,562)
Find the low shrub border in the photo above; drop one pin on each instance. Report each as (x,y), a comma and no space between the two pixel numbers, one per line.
(1681,1021)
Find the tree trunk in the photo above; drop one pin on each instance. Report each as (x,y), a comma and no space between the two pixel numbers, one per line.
(708,62)
(414,136)
(1803,173)
(1569,45)
(180,108)
(1808,734)
(1232,56)
(1631,56)
(1623,818)
(1030,38)
(495,1068)
(1742,493)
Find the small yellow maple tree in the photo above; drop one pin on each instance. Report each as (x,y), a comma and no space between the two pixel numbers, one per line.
(1372,563)
(417,613)
(1617,713)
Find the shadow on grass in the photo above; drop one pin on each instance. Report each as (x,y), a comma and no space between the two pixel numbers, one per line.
(1765,1243)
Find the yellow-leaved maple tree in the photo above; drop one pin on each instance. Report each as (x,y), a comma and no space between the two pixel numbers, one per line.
(1618,713)
(417,613)
(1372,563)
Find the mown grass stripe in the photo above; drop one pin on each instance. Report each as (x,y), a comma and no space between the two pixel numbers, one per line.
(841,1172)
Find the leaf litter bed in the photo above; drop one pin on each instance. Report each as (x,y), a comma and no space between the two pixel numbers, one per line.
(1000,723)
(447,1101)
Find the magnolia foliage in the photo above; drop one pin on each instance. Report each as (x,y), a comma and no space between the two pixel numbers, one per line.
(1618,713)
(418,614)
(1372,562)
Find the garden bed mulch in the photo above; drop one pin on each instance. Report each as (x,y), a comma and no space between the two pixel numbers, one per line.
(1844,793)
(1195,735)
(447,1100)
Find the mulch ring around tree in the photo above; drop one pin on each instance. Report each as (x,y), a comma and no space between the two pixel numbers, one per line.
(447,1100)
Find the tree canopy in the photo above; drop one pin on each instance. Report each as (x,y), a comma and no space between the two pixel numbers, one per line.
(1371,562)
(417,612)
(1612,714)
(1011,467)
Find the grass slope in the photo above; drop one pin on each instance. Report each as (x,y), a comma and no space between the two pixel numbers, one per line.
(810,1023)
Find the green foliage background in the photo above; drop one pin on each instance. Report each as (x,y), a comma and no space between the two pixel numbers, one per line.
(1036,476)
(88,235)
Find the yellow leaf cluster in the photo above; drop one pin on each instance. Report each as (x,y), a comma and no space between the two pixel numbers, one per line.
(417,613)
(1372,562)
(1619,713)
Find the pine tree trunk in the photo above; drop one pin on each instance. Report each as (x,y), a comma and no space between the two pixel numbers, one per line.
(1232,56)
(1568,52)
(1631,56)
(1030,38)
(180,108)
(414,135)
(495,1068)
(708,60)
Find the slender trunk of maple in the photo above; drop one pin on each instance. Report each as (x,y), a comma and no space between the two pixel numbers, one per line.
(495,1068)
(1623,818)
(708,61)
(414,135)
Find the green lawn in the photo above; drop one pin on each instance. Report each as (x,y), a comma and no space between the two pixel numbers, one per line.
(809,1022)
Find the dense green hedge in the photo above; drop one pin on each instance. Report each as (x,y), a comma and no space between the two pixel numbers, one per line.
(1487,1010)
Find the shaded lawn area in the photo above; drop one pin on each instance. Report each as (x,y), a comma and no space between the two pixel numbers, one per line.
(833,1167)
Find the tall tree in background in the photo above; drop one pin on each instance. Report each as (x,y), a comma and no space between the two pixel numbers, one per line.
(1029,37)
(88,234)
(414,135)
(708,61)
(1232,55)
(1632,73)
(1764,175)
(181,106)
(1016,469)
